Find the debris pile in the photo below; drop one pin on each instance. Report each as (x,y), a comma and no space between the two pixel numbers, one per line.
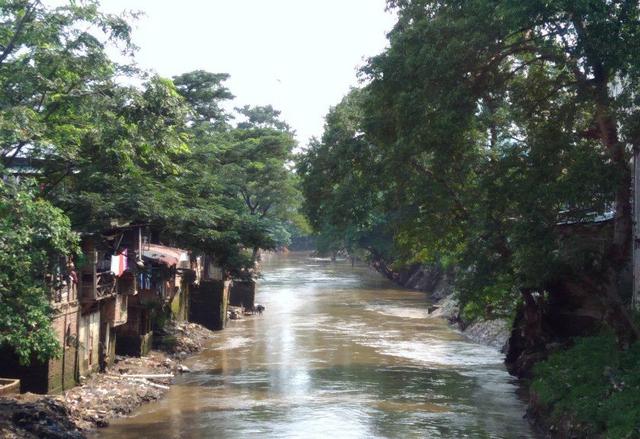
(129,383)
(182,338)
(117,392)
(235,312)
(30,416)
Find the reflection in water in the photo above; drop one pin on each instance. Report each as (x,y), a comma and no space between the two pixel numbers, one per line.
(338,353)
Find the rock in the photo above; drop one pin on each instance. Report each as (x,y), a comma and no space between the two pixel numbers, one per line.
(490,332)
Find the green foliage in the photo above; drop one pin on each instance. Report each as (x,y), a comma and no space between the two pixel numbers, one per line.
(594,385)
(237,190)
(34,235)
(160,152)
(204,92)
(482,127)
(51,59)
(127,160)
(342,184)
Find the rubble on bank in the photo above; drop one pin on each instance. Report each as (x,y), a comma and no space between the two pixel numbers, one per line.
(31,416)
(183,338)
(123,387)
(129,383)
(494,333)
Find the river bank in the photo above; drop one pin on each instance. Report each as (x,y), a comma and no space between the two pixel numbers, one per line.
(438,284)
(494,333)
(123,387)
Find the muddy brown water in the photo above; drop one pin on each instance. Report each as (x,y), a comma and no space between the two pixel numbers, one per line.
(339,353)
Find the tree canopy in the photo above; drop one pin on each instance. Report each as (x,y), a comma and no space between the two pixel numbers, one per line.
(103,140)
(492,127)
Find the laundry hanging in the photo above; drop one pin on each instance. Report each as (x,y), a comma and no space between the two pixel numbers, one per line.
(119,263)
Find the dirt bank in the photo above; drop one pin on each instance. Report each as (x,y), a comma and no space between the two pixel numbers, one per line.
(117,392)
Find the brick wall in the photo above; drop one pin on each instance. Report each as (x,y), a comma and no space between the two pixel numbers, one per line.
(55,375)
(63,372)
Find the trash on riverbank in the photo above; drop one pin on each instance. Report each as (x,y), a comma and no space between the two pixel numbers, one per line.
(125,386)
(235,312)
(182,338)
(115,393)
(30,416)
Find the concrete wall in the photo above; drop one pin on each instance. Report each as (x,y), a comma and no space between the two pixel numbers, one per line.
(33,378)
(135,337)
(134,345)
(243,293)
(9,386)
(208,304)
(63,371)
(89,342)
(180,303)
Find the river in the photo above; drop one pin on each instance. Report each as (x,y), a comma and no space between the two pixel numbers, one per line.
(339,353)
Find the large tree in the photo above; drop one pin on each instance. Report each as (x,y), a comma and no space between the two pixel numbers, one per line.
(49,59)
(512,118)
(239,192)
(499,126)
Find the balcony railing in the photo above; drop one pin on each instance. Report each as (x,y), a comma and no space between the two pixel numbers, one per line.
(105,284)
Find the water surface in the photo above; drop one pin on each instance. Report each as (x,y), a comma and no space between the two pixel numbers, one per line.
(339,353)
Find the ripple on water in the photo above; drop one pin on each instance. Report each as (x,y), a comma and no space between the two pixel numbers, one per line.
(233,343)
(403,312)
(436,353)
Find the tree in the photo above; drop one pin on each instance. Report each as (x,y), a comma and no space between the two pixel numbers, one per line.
(204,92)
(50,58)
(126,163)
(34,235)
(257,171)
(238,191)
(340,180)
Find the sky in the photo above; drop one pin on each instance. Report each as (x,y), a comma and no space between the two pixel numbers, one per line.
(301,56)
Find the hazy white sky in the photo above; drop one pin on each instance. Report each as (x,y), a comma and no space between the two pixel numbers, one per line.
(301,56)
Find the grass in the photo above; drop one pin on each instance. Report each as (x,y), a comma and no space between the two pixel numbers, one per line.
(593,386)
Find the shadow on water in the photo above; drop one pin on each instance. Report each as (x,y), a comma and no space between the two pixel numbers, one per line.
(339,353)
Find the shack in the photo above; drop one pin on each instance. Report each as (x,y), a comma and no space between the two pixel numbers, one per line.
(162,285)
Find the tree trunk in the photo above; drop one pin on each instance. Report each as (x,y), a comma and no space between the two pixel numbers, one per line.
(619,252)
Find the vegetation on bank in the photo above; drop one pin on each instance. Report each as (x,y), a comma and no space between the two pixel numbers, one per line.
(33,236)
(86,141)
(591,389)
(494,138)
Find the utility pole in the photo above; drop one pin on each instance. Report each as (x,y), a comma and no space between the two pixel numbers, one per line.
(635,299)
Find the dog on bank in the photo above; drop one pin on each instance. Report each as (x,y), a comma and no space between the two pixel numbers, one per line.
(257,309)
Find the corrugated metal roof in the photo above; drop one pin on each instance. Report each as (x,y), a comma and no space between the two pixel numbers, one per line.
(168,256)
